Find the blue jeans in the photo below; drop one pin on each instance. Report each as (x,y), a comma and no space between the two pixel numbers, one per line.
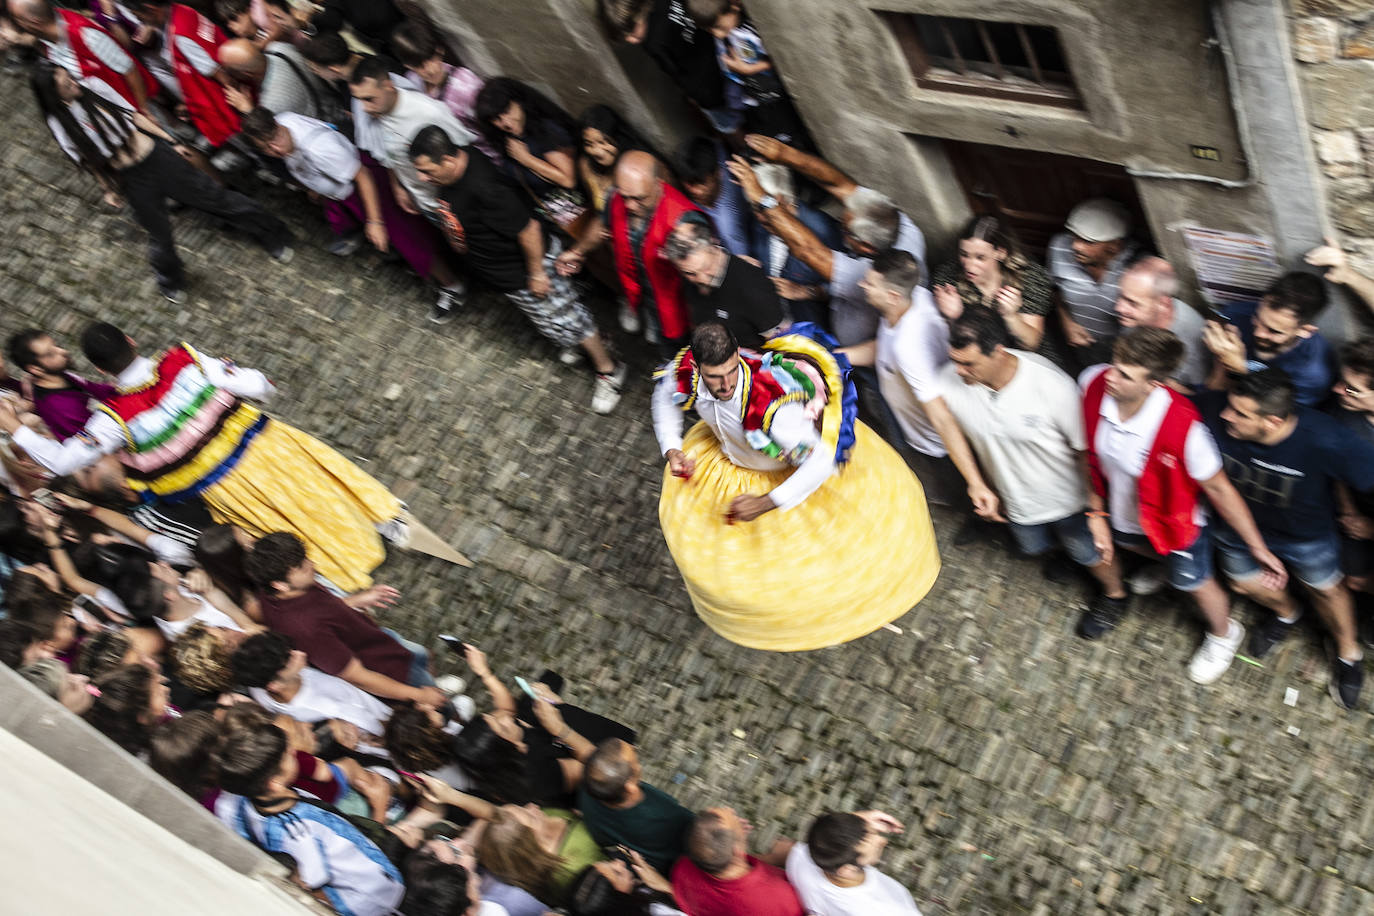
(419,660)
(1189,569)
(1071,532)
(1316,563)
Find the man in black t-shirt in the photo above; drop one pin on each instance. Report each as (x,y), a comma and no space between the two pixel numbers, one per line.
(1287,461)
(721,285)
(493,227)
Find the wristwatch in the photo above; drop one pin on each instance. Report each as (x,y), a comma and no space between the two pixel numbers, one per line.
(766,202)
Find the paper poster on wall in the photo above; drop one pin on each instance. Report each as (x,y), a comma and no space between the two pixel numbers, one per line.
(1231,266)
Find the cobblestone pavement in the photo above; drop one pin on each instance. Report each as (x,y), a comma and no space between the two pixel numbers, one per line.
(1036,773)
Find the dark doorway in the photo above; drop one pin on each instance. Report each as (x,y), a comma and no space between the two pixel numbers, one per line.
(1034,191)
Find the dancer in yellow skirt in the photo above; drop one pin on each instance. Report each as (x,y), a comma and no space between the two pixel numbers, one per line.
(793,525)
(182,428)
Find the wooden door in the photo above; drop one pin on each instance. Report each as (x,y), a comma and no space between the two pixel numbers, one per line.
(1034,192)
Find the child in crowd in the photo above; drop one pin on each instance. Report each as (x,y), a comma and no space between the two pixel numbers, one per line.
(333,858)
(753,88)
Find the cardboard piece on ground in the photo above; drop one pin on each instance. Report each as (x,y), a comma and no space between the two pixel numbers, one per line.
(426,541)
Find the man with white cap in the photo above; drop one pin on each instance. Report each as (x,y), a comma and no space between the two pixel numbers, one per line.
(1086,262)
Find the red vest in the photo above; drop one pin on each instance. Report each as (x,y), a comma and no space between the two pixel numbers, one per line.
(204,97)
(92,67)
(1168,495)
(663,276)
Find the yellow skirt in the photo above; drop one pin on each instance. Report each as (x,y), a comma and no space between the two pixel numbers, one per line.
(289,481)
(856,554)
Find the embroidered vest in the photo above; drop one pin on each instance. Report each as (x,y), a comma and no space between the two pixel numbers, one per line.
(184,433)
(797,368)
(1168,495)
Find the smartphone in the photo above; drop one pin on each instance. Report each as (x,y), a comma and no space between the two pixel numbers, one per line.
(525,686)
(406,774)
(453,642)
(1212,313)
(45,498)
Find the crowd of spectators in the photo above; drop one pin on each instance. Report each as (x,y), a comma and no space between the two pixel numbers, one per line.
(1079,405)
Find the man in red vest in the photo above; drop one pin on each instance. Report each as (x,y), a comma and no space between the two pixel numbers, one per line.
(640,216)
(89,53)
(1150,458)
(190,45)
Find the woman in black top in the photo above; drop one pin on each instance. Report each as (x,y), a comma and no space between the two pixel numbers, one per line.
(538,139)
(514,760)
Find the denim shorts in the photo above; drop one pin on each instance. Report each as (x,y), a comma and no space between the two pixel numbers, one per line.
(1071,532)
(1188,569)
(1315,563)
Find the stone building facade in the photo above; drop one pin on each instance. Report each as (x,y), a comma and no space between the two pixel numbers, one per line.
(1333,40)
(1241,116)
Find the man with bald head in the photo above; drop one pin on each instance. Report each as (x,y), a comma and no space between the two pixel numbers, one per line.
(718,876)
(620,810)
(276,78)
(89,53)
(640,217)
(1145,299)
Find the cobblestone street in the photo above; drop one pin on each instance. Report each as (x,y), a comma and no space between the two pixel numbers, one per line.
(1036,773)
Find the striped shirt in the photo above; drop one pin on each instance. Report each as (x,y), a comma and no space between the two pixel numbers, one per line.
(1090,303)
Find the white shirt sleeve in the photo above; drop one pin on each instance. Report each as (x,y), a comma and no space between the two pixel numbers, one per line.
(173,553)
(102,436)
(107,50)
(919,371)
(64,141)
(1200,453)
(667,415)
(334,155)
(197,57)
(246,383)
(814,470)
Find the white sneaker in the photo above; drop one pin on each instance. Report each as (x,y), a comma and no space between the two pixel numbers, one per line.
(1214,656)
(1148,579)
(629,321)
(395,531)
(570,356)
(606,390)
(652,334)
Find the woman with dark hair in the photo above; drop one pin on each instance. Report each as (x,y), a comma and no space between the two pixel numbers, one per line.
(538,139)
(132,700)
(992,271)
(622,887)
(220,551)
(130,154)
(515,762)
(418,739)
(603,136)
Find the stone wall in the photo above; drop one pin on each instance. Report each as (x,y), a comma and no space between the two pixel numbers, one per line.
(1333,41)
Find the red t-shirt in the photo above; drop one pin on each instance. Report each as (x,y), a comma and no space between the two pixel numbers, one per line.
(331,634)
(764,891)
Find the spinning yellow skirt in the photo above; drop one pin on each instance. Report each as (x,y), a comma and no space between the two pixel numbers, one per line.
(856,554)
(287,480)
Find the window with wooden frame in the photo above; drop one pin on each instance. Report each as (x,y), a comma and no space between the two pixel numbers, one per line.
(1002,60)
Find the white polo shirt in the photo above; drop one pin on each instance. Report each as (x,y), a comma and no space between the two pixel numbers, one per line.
(1123,446)
(322,159)
(878,895)
(909,357)
(1027,437)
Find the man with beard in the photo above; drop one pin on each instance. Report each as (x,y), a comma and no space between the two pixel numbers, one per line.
(1086,261)
(61,398)
(1280,334)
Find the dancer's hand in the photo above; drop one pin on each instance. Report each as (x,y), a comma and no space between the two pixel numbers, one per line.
(681,465)
(746,508)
